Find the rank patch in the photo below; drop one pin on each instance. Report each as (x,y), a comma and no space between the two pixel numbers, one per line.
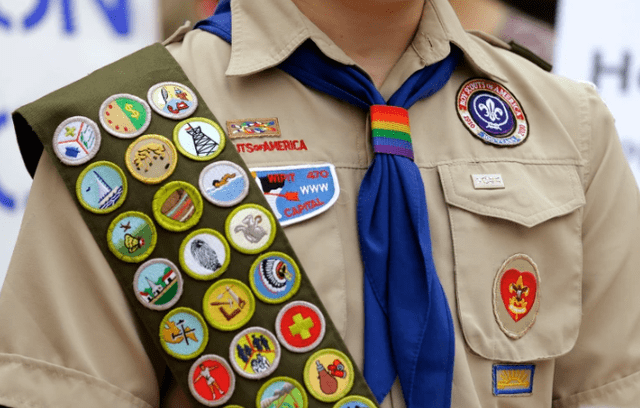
(199,138)
(282,392)
(513,380)
(300,326)
(328,375)
(177,206)
(205,254)
(151,158)
(515,295)
(101,187)
(132,236)
(268,127)
(492,113)
(250,228)
(355,401)
(125,116)
(172,100)
(211,380)
(76,140)
(274,277)
(224,183)
(183,333)
(228,304)
(297,193)
(254,353)
(158,284)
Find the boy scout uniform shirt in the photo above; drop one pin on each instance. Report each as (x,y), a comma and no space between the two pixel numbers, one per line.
(570,203)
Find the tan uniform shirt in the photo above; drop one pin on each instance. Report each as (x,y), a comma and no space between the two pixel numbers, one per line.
(570,203)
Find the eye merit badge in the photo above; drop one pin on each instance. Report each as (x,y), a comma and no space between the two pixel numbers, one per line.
(245,128)
(177,206)
(205,254)
(224,183)
(76,140)
(491,113)
(250,228)
(183,333)
(151,158)
(282,392)
(172,100)
(101,187)
(328,375)
(300,326)
(158,284)
(211,380)
(199,138)
(254,353)
(513,380)
(274,277)
(132,236)
(125,116)
(228,304)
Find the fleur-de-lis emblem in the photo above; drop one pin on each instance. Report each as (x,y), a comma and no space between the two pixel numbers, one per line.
(492,111)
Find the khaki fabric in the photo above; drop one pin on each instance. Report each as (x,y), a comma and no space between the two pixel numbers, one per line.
(570,203)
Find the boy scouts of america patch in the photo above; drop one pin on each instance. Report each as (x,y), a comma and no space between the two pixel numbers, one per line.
(513,380)
(254,353)
(516,297)
(172,100)
(132,236)
(297,193)
(177,206)
(199,138)
(282,392)
(228,304)
(492,113)
(211,380)
(151,158)
(268,127)
(300,326)
(101,187)
(250,228)
(274,277)
(328,375)
(125,116)
(205,254)
(76,140)
(355,401)
(224,183)
(158,284)
(183,333)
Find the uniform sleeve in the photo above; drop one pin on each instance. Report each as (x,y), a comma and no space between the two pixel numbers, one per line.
(603,369)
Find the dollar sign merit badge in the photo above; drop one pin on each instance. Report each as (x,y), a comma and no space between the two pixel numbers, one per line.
(134,113)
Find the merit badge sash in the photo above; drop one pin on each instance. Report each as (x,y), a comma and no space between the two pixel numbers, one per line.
(193,242)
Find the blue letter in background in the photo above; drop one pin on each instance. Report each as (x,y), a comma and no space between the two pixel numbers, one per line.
(38,13)
(4,21)
(5,199)
(118,15)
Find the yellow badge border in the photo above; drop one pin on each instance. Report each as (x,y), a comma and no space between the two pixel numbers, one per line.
(154,238)
(296,284)
(205,306)
(272,234)
(151,180)
(205,331)
(303,392)
(163,193)
(118,203)
(309,366)
(181,149)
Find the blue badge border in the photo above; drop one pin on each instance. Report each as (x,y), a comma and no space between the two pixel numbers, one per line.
(522,391)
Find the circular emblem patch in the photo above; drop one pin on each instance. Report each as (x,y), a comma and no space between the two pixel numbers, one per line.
(282,392)
(515,295)
(250,228)
(228,304)
(492,113)
(211,380)
(172,100)
(132,236)
(205,254)
(183,333)
(151,158)
(158,284)
(224,183)
(274,277)
(199,138)
(101,187)
(300,326)
(125,116)
(328,375)
(177,206)
(355,401)
(76,140)
(254,353)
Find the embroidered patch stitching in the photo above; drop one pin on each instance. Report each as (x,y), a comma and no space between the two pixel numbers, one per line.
(246,128)
(214,384)
(228,304)
(515,380)
(177,206)
(260,353)
(356,400)
(277,391)
(269,146)
(301,326)
(110,196)
(167,288)
(224,183)
(185,100)
(172,335)
(133,243)
(81,143)
(274,277)
(144,158)
(325,379)
(254,238)
(205,147)
(121,110)
(202,251)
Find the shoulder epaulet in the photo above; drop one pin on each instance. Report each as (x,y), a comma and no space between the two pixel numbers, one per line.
(515,48)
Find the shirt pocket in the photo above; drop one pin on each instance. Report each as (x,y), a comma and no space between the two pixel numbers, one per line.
(538,213)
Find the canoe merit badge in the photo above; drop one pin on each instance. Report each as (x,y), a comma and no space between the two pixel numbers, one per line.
(172,100)
(183,333)
(492,113)
(228,304)
(355,401)
(125,116)
(328,375)
(211,380)
(151,158)
(177,206)
(274,277)
(297,193)
(250,228)
(132,236)
(76,140)
(205,254)
(253,128)
(101,187)
(516,297)
(513,380)
(224,183)
(157,284)
(300,326)
(282,392)
(199,138)
(254,353)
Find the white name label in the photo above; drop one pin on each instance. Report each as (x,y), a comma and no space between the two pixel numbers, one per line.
(487,181)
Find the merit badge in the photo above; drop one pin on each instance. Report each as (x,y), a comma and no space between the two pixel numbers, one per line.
(199,138)
(211,380)
(274,277)
(250,228)
(76,140)
(172,100)
(151,158)
(125,116)
(254,353)
(328,375)
(132,236)
(355,401)
(515,295)
(297,193)
(513,380)
(228,304)
(101,187)
(205,254)
(492,113)
(300,326)
(253,128)
(158,284)
(183,333)
(224,183)
(177,206)
(282,392)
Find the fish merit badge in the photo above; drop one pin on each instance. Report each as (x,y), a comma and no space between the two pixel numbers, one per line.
(300,326)
(297,193)
(250,228)
(281,392)
(224,183)
(328,375)
(211,380)
(513,380)
(274,277)
(177,206)
(76,140)
(157,284)
(199,138)
(183,333)
(228,304)
(132,236)
(205,254)
(172,100)
(151,158)
(125,116)
(243,128)
(101,187)
(516,297)
(491,113)
(254,353)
